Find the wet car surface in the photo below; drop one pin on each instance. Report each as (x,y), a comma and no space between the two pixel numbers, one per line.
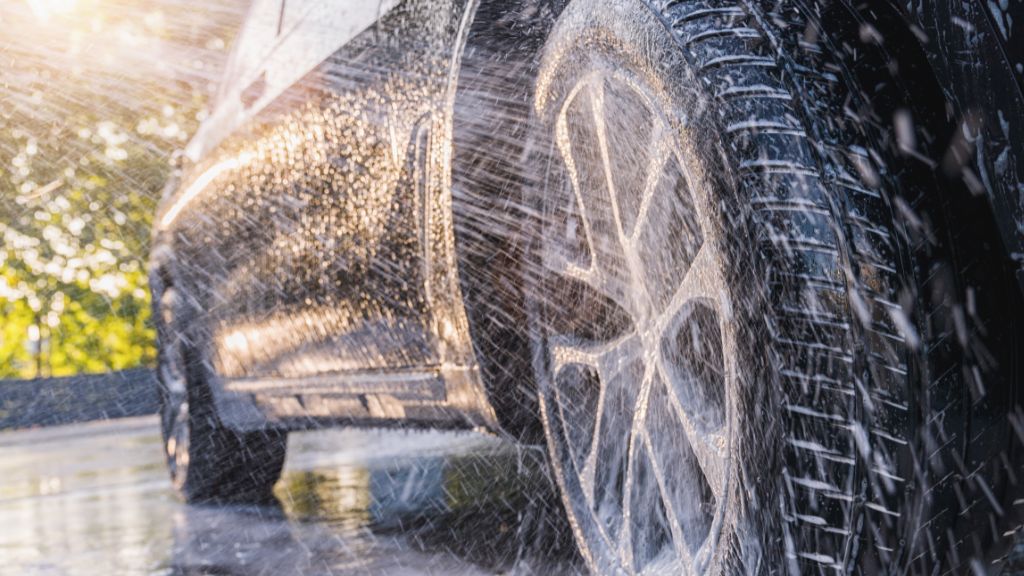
(94,499)
(742,279)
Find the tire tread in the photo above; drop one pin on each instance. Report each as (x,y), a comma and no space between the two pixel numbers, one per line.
(816,195)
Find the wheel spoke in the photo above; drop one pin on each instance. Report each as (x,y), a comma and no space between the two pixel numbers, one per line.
(580,141)
(597,106)
(675,523)
(684,484)
(639,416)
(561,265)
(710,447)
(564,143)
(615,363)
(703,282)
(632,139)
(661,152)
(601,356)
(626,535)
(570,256)
(594,277)
(577,395)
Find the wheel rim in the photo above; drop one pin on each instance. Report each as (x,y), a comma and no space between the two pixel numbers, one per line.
(177,446)
(637,364)
(174,400)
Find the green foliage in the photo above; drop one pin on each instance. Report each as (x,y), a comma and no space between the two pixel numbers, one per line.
(85,142)
(73,286)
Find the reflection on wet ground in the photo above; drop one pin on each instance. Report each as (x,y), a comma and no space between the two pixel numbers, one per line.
(94,500)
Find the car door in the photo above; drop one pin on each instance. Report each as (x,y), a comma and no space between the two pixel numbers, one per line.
(308,247)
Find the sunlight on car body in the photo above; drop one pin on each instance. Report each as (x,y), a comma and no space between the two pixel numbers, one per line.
(200,184)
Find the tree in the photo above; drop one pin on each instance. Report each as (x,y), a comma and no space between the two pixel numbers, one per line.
(93,102)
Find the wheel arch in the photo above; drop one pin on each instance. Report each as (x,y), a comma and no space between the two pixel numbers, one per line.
(236,411)
(491,109)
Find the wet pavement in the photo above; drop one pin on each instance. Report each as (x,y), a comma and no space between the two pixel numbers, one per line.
(94,499)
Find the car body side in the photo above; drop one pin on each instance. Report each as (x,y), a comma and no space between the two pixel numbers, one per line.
(312,232)
(311,238)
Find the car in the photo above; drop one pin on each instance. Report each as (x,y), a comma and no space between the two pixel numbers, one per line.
(751,271)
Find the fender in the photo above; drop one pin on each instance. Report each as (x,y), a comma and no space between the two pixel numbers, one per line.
(976,49)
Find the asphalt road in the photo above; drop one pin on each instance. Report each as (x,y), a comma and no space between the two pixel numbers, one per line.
(94,499)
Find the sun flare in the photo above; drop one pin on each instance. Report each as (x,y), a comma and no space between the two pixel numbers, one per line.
(44,9)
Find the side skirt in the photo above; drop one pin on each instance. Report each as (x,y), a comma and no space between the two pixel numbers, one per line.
(435,396)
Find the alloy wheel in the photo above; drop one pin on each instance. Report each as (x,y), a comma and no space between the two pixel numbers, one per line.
(637,358)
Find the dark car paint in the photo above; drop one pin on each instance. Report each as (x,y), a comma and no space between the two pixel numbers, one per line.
(314,264)
(361,280)
(386,296)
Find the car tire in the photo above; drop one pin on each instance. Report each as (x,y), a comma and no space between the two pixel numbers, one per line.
(208,462)
(753,352)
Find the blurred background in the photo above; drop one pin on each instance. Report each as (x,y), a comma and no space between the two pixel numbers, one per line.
(96,98)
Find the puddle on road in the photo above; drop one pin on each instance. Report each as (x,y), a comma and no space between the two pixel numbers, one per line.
(492,509)
(351,502)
